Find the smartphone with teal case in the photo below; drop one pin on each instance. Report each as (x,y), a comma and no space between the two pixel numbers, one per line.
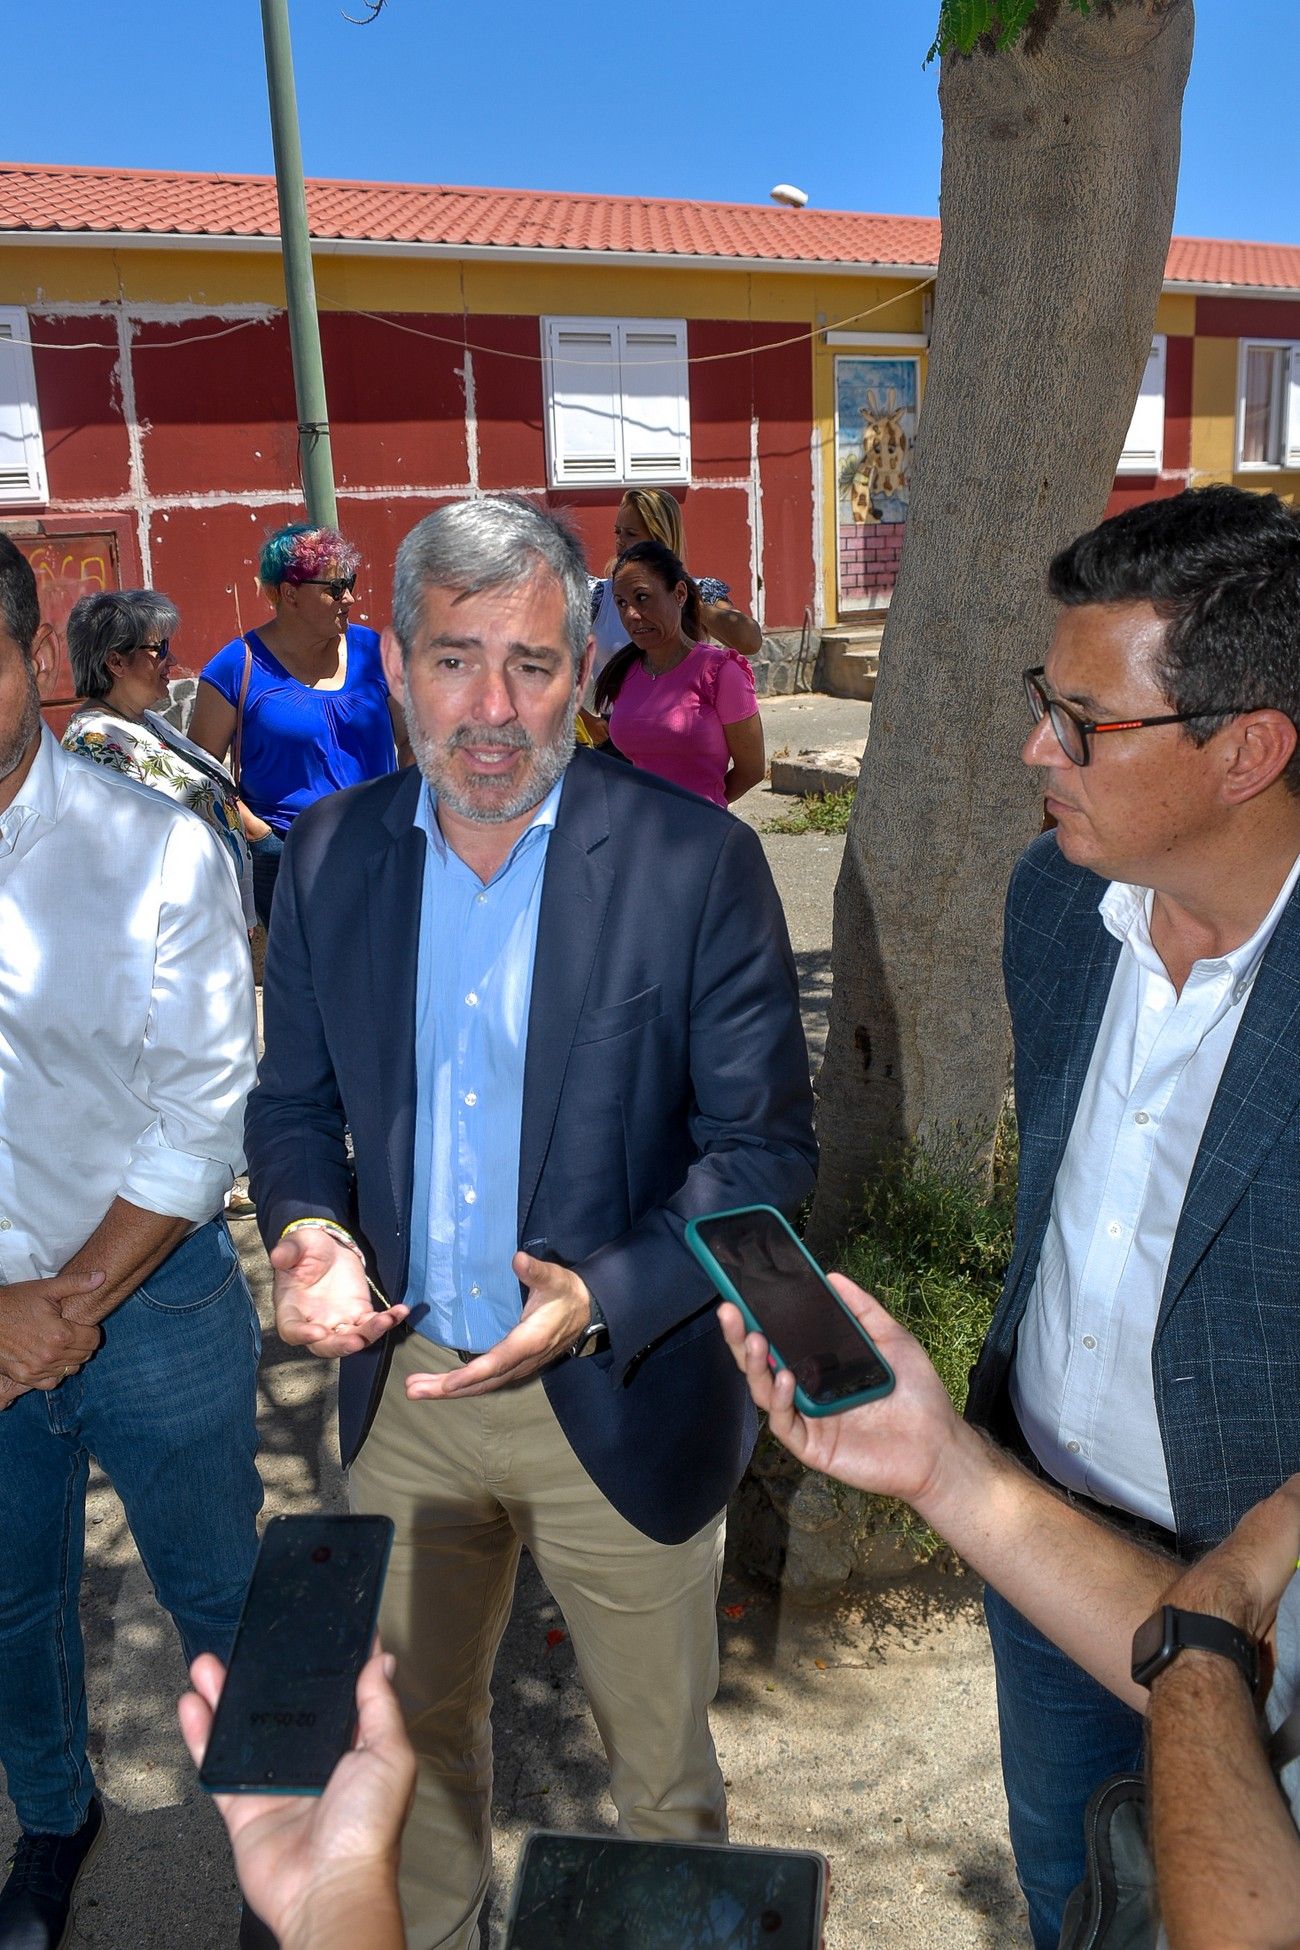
(759,1262)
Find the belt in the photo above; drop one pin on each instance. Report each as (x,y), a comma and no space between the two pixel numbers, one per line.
(1005,1427)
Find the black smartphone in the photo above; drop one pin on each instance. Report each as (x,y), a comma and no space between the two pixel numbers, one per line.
(589,1889)
(288,1708)
(759,1262)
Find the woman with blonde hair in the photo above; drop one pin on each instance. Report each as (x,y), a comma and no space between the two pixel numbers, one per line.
(654,515)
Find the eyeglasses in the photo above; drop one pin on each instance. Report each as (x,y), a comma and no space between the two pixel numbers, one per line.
(160,652)
(337,585)
(1073,731)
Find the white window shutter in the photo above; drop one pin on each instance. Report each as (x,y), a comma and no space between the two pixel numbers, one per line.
(656,413)
(1291,428)
(1144,444)
(582,401)
(22,451)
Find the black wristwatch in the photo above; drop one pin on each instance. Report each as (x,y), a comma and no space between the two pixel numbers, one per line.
(1170,1631)
(595,1334)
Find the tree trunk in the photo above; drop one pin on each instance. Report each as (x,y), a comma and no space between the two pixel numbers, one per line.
(1060,163)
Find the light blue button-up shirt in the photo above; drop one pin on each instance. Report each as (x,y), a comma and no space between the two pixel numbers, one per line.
(474,984)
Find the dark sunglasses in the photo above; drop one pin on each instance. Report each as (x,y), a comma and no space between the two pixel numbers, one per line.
(1073,731)
(336,585)
(160,652)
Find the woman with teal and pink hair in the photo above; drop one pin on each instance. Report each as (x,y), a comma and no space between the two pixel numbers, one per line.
(300,703)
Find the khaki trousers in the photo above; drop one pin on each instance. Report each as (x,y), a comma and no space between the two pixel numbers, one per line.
(466,1482)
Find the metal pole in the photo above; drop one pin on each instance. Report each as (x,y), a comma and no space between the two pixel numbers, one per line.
(315,459)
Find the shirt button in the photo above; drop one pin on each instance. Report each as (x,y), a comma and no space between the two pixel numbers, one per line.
(1141,1117)
(479,900)
(471,1196)
(6,1225)
(472,1000)
(471,1098)
(1114,1229)
(474,1291)
(1073,1448)
(1090,1340)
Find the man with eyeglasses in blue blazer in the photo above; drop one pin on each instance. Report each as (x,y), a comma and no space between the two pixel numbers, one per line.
(1145,1356)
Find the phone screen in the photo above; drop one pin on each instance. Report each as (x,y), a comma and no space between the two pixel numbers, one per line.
(804,1321)
(286,1712)
(589,1889)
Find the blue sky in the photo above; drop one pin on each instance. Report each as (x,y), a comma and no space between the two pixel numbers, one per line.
(712,100)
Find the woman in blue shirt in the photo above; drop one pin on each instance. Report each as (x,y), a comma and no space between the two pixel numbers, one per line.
(315,713)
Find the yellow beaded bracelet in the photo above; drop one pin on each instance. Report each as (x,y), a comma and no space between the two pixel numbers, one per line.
(344,1237)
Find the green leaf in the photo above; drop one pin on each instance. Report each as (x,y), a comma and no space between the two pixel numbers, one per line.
(963,23)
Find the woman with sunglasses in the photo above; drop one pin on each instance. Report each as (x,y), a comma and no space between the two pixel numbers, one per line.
(299,703)
(119,646)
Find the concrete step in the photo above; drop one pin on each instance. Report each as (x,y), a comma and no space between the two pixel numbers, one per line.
(827,770)
(850,660)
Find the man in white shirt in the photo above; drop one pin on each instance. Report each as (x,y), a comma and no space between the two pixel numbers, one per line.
(127,1332)
(1184,1644)
(1145,1352)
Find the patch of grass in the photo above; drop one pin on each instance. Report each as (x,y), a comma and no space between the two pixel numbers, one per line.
(933,1244)
(933,1247)
(816,812)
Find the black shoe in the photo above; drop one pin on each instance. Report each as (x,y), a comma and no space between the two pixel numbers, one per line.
(36,1901)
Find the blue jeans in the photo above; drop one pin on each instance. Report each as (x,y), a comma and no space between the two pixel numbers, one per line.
(266,853)
(167,1407)
(1061,1735)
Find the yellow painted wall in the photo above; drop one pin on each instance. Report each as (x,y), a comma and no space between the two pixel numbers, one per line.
(58,275)
(1214,425)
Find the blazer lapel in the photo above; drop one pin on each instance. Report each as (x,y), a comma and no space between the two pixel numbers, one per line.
(394,890)
(576,887)
(1257,1098)
(1057,1055)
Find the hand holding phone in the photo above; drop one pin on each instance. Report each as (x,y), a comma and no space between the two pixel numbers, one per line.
(287,1708)
(321,1869)
(759,1263)
(913,1445)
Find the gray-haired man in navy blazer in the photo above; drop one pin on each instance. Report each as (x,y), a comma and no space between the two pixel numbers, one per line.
(552,1002)
(1145,1355)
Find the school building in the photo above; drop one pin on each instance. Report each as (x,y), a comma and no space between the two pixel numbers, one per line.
(765,364)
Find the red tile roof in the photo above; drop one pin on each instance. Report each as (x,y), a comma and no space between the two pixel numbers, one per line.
(42,199)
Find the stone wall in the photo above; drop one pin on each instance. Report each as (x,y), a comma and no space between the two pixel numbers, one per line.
(775,665)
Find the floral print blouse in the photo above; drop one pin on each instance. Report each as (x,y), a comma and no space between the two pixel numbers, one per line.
(154,752)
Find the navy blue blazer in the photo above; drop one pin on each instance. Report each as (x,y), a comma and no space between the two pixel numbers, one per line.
(665,1075)
(1226,1357)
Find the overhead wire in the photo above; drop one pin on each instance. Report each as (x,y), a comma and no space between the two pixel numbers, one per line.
(465,345)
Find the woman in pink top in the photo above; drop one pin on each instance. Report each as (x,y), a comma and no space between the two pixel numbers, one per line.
(676,706)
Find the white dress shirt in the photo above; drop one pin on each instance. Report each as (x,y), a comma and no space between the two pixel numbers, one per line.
(127,1020)
(1082,1384)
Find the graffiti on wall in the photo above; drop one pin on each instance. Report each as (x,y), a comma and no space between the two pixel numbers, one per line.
(67,567)
(876,402)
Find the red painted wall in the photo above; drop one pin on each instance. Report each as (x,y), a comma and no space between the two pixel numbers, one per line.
(1130,490)
(421,406)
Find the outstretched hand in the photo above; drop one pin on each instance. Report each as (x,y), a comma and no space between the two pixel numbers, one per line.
(322,1298)
(895,1446)
(557,1309)
(292,1850)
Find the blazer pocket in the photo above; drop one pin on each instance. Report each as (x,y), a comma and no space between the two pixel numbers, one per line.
(616,1018)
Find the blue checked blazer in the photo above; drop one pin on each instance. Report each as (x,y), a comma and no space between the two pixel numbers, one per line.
(1226,1356)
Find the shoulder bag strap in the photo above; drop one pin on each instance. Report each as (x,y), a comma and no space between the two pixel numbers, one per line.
(237,741)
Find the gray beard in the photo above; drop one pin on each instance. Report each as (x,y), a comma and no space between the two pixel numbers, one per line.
(549,764)
(14,751)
